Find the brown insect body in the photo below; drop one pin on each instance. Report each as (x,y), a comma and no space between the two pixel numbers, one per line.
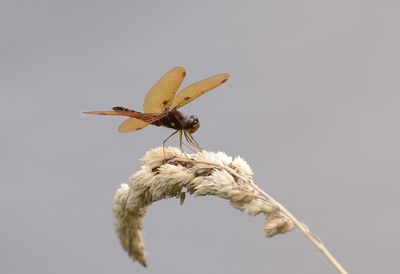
(170,119)
(176,120)
(162,103)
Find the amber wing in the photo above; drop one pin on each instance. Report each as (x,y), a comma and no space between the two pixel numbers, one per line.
(160,96)
(197,89)
(137,120)
(132,124)
(158,99)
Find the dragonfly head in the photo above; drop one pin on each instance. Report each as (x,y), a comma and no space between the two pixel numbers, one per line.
(190,123)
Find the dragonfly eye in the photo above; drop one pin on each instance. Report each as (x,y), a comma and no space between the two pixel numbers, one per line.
(194,119)
(194,123)
(191,123)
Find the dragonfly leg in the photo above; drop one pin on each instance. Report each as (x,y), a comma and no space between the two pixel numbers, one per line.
(192,141)
(163,144)
(181,144)
(180,140)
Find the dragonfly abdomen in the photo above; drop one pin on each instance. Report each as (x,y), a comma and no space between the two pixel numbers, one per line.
(128,112)
(123,109)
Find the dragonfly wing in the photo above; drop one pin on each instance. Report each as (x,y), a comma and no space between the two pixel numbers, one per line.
(193,91)
(159,98)
(105,112)
(132,124)
(136,121)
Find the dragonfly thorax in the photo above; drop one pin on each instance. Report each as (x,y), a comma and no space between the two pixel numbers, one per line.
(175,120)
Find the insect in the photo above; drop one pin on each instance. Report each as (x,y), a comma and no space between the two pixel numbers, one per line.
(161,106)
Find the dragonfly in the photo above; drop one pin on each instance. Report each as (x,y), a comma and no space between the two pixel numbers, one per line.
(161,104)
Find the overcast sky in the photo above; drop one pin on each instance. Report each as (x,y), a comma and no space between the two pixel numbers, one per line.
(312,105)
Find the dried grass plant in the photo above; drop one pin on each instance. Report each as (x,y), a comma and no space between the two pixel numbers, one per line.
(200,174)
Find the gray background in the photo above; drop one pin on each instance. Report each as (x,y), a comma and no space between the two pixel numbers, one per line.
(312,105)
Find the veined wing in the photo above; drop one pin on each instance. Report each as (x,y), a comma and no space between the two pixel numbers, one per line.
(132,124)
(160,96)
(137,120)
(103,112)
(193,91)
